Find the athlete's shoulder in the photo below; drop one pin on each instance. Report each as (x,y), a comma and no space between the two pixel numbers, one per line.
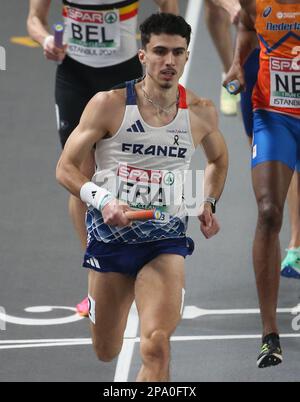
(109,100)
(198,105)
(104,109)
(203,116)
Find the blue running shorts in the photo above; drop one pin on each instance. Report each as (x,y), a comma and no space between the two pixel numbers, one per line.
(276,138)
(129,259)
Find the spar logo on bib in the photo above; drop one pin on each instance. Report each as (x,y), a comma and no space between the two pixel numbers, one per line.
(145,188)
(111,18)
(285,83)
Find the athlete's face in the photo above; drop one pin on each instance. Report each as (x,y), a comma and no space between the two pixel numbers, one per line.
(164,58)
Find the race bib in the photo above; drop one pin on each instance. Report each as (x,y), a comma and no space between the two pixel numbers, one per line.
(90,32)
(285,83)
(147,189)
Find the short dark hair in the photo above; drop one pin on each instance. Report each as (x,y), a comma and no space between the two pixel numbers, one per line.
(163,23)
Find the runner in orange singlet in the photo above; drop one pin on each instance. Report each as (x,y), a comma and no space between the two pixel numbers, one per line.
(276,141)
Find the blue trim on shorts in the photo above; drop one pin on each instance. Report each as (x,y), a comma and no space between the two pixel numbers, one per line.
(276,138)
(129,259)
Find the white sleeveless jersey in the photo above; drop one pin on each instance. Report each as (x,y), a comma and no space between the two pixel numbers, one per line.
(100,33)
(145,167)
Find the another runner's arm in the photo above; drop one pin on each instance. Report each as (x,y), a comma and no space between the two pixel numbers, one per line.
(246,42)
(37,20)
(231,6)
(90,130)
(246,38)
(38,29)
(168,6)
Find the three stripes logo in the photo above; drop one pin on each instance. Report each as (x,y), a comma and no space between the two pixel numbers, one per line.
(137,127)
(93,262)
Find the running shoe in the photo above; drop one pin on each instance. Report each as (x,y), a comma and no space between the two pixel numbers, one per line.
(228,103)
(83,307)
(271,353)
(290,266)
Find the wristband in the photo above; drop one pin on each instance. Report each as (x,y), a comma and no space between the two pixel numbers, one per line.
(94,195)
(47,40)
(212,201)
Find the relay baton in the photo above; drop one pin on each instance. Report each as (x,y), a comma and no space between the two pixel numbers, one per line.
(147,214)
(58,35)
(233,86)
(140,215)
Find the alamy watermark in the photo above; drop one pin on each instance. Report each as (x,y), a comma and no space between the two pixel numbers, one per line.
(147,189)
(2,319)
(2,58)
(296,321)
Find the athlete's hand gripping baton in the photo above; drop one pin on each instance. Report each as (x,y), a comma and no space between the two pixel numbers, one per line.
(233,86)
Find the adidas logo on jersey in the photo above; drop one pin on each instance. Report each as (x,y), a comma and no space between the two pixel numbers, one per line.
(137,127)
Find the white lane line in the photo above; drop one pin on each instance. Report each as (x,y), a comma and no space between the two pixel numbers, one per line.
(45,345)
(24,341)
(226,337)
(191,312)
(6,318)
(126,354)
(131,342)
(192,16)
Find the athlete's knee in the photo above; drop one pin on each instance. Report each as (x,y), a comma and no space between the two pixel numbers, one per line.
(270,215)
(155,347)
(105,351)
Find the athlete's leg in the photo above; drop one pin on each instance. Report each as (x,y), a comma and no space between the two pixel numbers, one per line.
(271,181)
(294,212)
(113,294)
(158,294)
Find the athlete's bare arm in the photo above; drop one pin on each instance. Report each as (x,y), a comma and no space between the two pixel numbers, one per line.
(37,20)
(38,29)
(204,122)
(245,44)
(231,6)
(168,6)
(101,117)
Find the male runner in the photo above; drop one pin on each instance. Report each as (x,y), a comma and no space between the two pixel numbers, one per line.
(290,265)
(100,52)
(276,141)
(145,136)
